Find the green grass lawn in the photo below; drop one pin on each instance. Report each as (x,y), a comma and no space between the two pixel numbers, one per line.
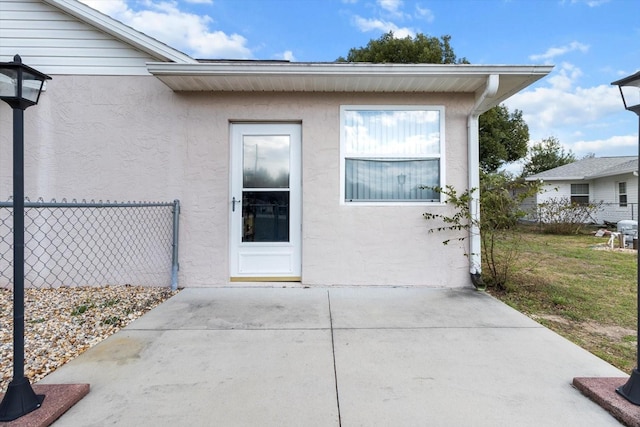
(586,294)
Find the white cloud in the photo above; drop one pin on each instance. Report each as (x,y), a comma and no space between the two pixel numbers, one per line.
(366,25)
(184,31)
(425,14)
(590,3)
(287,55)
(612,143)
(561,104)
(565,77)
(557,51)
(548,109)
(392,6)
(108,7)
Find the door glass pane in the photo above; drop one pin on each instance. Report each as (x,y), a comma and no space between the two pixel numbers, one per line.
(265,216)
(265,161)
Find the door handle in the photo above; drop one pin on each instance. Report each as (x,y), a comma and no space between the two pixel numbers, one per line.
(233,204)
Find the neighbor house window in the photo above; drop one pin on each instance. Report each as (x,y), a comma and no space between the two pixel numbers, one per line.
(391,154)
(622,194)
(580,194)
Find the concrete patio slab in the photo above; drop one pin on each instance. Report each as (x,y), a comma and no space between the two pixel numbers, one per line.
(336,356)
(205,378)
(463,377)
(421,308)
(241,308)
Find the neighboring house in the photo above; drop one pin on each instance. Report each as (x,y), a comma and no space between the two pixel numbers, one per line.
(302,172)
(611,182)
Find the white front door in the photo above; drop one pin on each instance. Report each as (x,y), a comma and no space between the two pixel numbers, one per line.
(265,205)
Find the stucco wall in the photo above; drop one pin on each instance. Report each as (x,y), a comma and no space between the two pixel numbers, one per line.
(132,138)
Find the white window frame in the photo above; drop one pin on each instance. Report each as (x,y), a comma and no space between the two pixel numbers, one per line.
(441,156)
(620,193)
(587,194)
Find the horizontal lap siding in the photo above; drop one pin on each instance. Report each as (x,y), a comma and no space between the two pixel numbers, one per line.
(56,43)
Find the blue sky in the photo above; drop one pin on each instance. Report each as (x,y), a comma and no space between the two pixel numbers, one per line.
(590,42)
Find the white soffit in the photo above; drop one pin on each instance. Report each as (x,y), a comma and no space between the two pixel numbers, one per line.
(276,76)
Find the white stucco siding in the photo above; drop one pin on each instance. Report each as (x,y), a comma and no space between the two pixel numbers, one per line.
(53,42)
(553,190)
(132,138)
(606,191)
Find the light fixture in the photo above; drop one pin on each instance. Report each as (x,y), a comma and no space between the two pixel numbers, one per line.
(630,92)
(20,87)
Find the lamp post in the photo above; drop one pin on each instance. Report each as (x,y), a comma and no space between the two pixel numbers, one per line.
(630,92)
(20,87)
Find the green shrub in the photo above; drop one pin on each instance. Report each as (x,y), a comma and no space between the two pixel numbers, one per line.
(500,210)
(559,215)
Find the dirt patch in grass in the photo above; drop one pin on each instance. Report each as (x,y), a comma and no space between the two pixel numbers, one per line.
(580,288)
(612,332)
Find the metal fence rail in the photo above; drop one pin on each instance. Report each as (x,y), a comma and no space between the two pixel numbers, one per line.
(93,243)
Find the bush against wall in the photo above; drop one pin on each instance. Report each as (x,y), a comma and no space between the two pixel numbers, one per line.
(559,215)
(500,209)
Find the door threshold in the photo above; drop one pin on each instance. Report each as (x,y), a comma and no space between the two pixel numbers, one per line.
(266,279)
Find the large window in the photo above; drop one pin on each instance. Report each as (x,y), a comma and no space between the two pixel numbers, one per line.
(580,194)
(622,194)
(390,154)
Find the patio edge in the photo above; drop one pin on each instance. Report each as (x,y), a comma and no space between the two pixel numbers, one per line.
(603,392)
(58,399)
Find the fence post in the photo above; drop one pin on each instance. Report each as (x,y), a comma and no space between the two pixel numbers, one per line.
(174,257)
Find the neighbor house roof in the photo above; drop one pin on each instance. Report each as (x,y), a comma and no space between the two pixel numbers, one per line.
(282,76)
(589,168)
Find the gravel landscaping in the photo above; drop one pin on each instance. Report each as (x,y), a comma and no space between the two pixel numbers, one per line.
(61,323)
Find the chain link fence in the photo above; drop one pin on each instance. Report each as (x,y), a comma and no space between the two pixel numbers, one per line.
(93,244)
(614,212)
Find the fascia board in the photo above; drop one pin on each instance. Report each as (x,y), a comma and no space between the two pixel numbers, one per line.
(121,31)
(558,178)
(342,68)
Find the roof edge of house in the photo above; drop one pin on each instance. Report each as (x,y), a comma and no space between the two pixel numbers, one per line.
(556,178)
(336,68)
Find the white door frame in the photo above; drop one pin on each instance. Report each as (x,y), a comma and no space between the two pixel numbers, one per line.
(264,260)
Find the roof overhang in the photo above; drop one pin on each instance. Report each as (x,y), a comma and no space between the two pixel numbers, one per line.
(281,76)
(612,173)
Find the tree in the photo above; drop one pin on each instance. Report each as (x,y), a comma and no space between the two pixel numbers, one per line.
(503,135)
(503,138)
(419,50)
(545,155)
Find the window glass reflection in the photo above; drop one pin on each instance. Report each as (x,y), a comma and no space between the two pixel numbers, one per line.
(391,179)
(265,161)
